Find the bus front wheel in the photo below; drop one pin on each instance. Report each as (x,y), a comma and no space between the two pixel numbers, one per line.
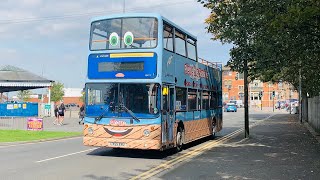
(179,142)
(213,136)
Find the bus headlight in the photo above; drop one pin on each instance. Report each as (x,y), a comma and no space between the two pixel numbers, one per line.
(146,132)
(90,131)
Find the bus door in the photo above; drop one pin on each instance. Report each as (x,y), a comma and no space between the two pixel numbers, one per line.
(168,114)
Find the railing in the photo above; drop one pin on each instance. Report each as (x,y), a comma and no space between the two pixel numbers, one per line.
(210,64)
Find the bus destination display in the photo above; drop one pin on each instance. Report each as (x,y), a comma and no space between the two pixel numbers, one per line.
(120,66)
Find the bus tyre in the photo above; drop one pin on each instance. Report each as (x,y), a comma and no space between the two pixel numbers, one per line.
(213,136)
(179,142)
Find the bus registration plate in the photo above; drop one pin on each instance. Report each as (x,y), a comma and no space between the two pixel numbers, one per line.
(117,144)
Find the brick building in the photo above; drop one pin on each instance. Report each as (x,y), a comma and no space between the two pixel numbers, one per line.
(71,95)
(233,89)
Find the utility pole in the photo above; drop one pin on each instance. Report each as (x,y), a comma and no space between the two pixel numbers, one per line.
(124,6)
(246,107)
(290,100)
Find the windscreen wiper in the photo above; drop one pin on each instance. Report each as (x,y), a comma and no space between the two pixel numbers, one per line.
(130,112)
(102,115)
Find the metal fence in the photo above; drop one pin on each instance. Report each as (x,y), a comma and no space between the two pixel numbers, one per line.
(314,113)
(13,123)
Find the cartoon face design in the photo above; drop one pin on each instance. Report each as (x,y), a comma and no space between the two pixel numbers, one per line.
(117,133)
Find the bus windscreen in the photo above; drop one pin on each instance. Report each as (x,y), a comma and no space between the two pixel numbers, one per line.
(124,33)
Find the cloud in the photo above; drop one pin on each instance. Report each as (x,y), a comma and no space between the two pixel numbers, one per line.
(53,35)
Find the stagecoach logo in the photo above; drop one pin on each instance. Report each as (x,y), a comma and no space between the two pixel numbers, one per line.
(117,123)
(195,72)
(119,75)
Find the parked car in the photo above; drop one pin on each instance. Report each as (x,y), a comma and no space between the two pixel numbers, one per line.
(71,105)
(230,107)
(239,103)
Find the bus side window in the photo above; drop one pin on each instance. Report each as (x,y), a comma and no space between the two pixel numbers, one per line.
(192,99)
(205,100)
(180,43)
(213,100)
(181,99)
(191,47)
(167,37)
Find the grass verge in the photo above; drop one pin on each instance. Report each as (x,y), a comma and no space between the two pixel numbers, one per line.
(22,135)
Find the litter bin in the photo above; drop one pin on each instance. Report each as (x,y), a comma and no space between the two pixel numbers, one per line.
(295,110)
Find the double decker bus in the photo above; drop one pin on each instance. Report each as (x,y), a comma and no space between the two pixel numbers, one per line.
(146,88)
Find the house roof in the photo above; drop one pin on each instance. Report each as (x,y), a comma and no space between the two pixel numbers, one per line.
(14,79)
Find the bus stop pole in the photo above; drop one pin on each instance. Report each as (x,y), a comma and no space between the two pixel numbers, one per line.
(273,104)
(246,107)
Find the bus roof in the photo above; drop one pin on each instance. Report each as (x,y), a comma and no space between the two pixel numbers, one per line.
(144,15)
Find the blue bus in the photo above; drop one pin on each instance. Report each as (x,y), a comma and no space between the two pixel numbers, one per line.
(146,88)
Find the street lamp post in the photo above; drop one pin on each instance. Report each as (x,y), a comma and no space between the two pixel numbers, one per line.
(246,107)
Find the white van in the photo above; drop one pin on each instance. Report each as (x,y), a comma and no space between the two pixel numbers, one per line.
(239,103)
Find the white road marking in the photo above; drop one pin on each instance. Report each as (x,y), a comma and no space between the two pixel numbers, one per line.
(30,143)
(65,155)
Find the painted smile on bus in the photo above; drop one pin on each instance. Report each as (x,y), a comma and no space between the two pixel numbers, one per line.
(118,133)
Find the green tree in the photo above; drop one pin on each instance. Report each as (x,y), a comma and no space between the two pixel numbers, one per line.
(277,38)
(24,95)
(57,92)
(82,98)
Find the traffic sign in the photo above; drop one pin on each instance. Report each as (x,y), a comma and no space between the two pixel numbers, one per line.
(47,106)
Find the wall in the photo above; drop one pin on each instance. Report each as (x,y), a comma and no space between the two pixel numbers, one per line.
(314,113)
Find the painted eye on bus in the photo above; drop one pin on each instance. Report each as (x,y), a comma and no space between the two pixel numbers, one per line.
(113,39)
(128,38)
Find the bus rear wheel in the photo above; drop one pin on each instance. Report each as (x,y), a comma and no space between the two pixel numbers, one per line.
(179,142)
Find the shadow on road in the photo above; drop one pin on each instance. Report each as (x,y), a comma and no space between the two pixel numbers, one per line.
(147,154)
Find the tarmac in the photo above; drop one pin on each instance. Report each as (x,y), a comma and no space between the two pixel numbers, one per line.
(278,148)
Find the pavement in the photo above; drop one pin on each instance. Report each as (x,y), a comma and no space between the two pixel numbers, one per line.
(278,148)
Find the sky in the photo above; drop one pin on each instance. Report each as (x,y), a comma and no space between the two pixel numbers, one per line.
(50,38)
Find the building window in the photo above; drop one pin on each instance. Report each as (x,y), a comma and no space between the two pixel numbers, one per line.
(228,84)
(241,88)
(225,97)
(241,96)
(240,76)
(181,99)
(226,73)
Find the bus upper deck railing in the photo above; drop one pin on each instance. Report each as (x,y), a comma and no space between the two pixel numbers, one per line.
(208,63)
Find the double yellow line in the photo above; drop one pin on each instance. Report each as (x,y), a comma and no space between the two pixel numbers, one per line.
(191,154)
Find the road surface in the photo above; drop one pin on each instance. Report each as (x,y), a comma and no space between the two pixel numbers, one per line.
(69,159)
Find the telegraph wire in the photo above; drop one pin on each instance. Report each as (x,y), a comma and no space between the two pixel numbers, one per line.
(78,15)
